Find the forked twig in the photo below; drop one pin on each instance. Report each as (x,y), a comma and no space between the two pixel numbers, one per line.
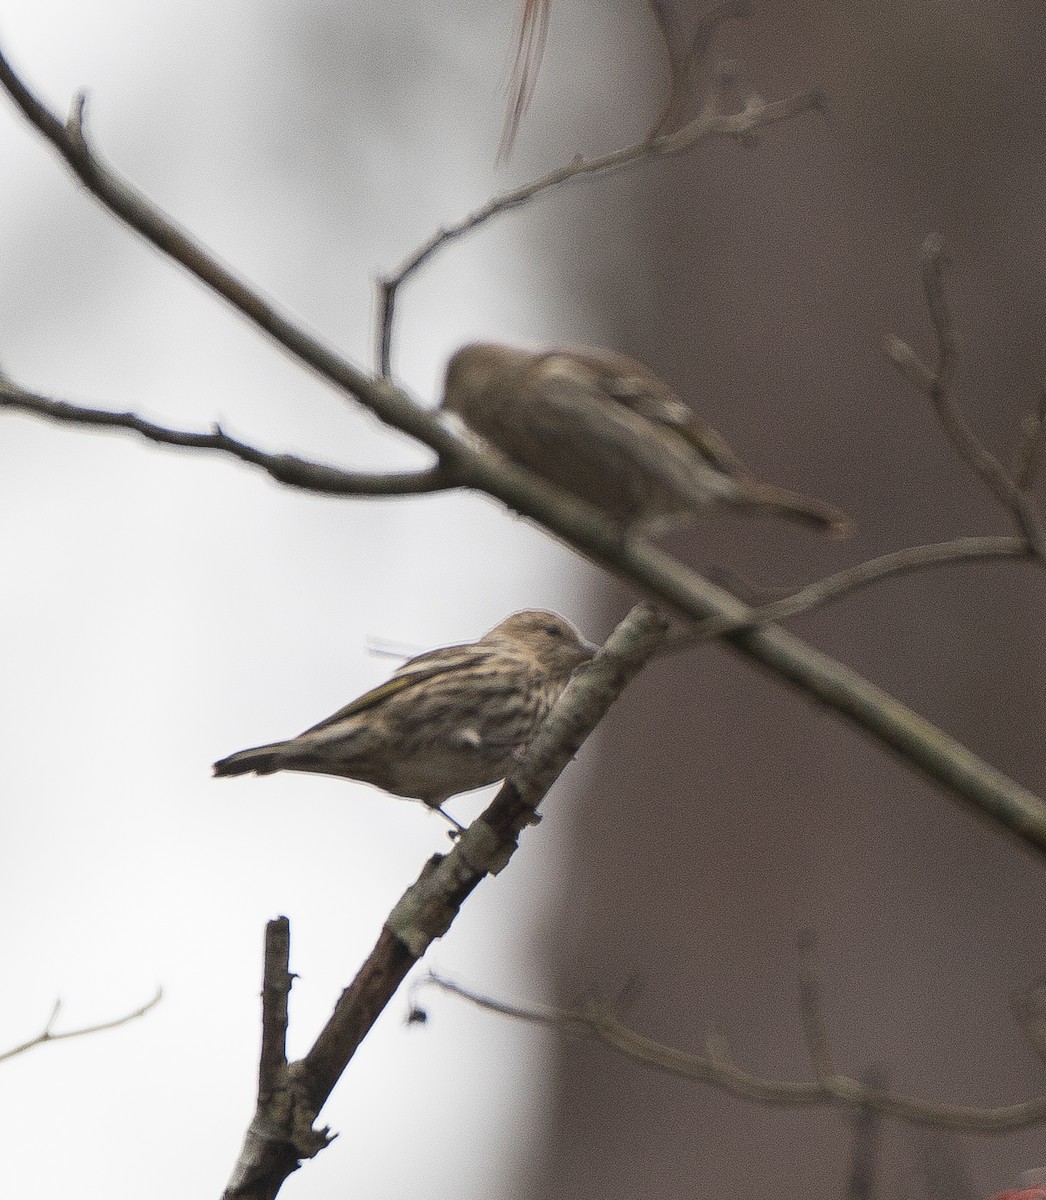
(846,582)
(937,385)
(664,139)
(47,1034)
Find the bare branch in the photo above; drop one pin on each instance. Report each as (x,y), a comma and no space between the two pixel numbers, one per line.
(282,1128)
(1032,444)
(664,19)
(532,36)
(932,261)
(853,579)
(711,123)
(47,1034)
(936,385)
(909,364)
(276,990)
(139,213)
(288,469)
(864,1146)
(684,63)
(281,1133)
(597,1022)
(757,114)
(811,1012)
(1029,1009)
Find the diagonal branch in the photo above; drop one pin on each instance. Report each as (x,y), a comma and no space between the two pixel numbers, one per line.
(138,212)
(861,575)
(282,1132)
(288,469)
(1029,1008)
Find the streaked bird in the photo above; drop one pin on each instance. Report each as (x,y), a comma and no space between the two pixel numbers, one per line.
(447,721)
(605,428)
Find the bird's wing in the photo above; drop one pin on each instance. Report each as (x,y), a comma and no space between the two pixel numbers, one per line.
(712,446)
(637,389)
(418,670)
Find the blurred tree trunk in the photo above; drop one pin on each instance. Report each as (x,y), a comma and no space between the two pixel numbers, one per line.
(723,814)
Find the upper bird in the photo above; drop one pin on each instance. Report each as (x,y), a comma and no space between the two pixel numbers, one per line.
(605,428)
(447,721)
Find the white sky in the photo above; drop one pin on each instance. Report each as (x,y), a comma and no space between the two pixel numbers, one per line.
(160,610)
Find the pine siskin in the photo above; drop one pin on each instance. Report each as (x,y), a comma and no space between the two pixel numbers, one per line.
(606,429)
(446,722)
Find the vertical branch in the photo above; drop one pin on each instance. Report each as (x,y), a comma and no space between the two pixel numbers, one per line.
(811,1011)
(685,63)
(276,990)
(864,1145)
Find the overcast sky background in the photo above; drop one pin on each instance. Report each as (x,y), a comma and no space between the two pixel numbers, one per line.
(161,610)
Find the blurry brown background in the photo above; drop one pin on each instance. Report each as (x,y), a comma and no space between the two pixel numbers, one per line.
(724,813)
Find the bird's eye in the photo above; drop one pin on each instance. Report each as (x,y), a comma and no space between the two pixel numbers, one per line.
(553,631)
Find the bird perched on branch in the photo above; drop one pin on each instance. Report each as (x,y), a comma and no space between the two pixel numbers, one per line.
(446,722)
(606,429)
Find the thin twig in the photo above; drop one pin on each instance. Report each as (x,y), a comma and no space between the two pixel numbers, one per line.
(811,1012)
(1029,1009)
(1031,446)
(710,123)
(853,579)
(47,1034)
(288,469)
(936,384)
(683,64)
(596,1021)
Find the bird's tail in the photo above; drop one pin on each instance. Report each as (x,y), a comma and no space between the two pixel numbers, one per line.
(807,510)
(259,760)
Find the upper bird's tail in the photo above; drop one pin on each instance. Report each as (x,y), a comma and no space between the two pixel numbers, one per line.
(765,498)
